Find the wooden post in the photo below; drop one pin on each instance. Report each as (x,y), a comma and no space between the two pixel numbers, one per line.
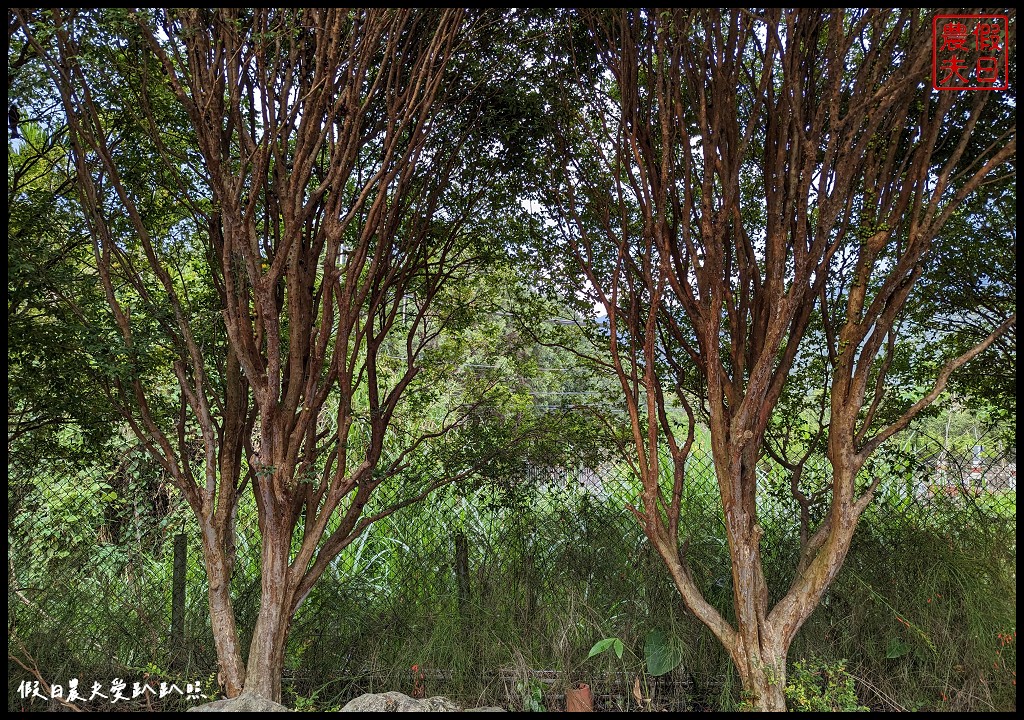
(178,598)
(462,570)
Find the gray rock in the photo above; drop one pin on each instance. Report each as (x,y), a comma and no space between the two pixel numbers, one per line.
(398,702)
(242,703)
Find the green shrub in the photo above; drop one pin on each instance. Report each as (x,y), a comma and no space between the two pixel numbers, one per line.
(817,686)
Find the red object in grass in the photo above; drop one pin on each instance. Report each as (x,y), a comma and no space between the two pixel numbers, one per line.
(579,699)
(419,690)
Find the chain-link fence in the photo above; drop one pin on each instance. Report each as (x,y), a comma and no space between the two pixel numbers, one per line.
(493,593)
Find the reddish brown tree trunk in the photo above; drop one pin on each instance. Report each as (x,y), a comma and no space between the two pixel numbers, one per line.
(222,614)
(265,664)
(266,653)
(762,668)
(758,650)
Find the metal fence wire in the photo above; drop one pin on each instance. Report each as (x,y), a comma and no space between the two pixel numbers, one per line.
(105,575)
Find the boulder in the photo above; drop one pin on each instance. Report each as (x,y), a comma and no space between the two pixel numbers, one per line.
(398,702)
(242,703)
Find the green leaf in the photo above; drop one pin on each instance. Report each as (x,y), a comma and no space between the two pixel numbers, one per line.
(897,648)
(601,645)
(660,653)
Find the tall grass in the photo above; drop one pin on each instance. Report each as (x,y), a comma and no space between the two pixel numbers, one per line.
(922,611)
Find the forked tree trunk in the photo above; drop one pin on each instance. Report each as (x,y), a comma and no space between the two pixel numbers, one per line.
(759,641)
(756,647)
(764,637)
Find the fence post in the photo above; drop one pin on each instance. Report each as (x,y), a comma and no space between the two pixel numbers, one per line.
(178,599)
(462,569)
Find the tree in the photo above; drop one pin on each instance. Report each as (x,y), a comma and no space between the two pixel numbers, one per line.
(278,202)
(741,192)
(970,286)
(51,303)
